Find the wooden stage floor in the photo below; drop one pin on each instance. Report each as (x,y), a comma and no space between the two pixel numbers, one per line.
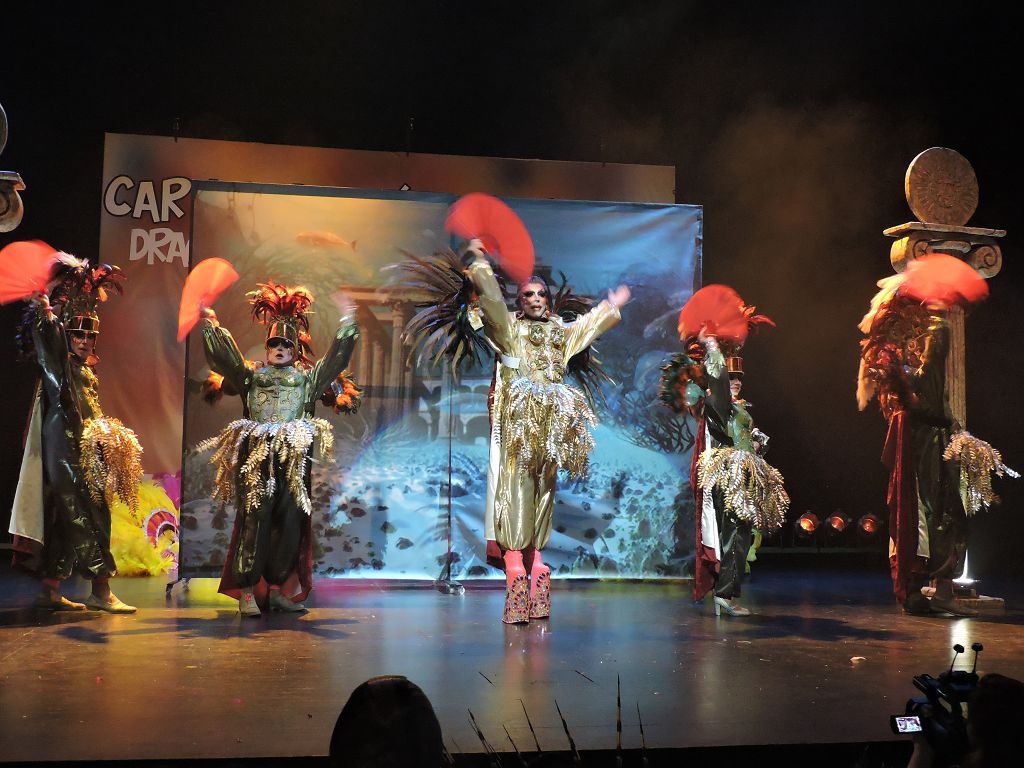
(188,678)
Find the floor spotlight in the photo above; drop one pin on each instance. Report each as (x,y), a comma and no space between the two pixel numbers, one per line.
(837,522)
(807,524)
(965,581)
(870,525)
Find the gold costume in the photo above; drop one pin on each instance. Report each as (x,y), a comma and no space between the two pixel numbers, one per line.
(978,462)
(538,423)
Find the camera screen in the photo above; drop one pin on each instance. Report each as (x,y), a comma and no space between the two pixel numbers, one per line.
(911,724)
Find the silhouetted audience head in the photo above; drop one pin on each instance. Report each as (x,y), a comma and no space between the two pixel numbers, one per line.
(995,722)
(387,722)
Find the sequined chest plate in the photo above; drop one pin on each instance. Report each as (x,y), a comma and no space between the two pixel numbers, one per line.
(277,394)
(544,352)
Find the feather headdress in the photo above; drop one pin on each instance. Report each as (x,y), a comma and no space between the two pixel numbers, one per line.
(76,292)
(716,310)
(284,310)
(80,290)
(719,311)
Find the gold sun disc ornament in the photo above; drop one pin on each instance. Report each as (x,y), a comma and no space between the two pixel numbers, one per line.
(941,187)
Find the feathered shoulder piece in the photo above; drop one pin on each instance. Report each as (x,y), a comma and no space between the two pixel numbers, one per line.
(683,380)
(215,386)
(343,395)
(285,311)
(447,316)
(895,330)
(569,305)
(585,365)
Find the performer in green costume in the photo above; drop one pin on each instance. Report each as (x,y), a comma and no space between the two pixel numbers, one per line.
(76,460)
(263,459)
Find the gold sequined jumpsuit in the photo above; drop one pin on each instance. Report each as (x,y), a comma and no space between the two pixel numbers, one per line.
(538,422)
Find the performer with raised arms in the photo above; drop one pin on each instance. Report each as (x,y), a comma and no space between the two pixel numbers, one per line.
(539,424)
(734,488)
(263,459)
(76,460)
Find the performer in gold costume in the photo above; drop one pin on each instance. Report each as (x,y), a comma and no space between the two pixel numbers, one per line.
(76,459)
(263,459)
(538,425)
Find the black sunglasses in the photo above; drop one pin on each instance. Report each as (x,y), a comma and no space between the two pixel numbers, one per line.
(529,294)
(275,343)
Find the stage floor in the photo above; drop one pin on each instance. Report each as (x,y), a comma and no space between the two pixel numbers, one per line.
(188,678)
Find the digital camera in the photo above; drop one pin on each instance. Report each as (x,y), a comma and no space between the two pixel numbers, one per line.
(939,714)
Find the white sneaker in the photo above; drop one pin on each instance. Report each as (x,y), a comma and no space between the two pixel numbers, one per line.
(247,604)
(57,602)
(111,605)
(279,602)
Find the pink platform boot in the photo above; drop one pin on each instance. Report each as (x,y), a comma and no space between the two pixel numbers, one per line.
(517,589)
(540,588)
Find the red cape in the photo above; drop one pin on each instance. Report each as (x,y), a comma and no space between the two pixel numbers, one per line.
(898,456)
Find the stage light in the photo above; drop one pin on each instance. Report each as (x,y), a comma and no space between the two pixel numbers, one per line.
(836,523)
(869,525)
(807,524)
(965,581)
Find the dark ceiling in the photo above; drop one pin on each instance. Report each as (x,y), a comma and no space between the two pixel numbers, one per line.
(791,123)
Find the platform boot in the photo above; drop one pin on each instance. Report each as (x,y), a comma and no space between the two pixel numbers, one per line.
(540,587)
(517,589)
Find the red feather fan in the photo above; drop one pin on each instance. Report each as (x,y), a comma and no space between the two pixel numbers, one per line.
(937,278)
(718,310)
(204,284)
(25,268)
(503,234)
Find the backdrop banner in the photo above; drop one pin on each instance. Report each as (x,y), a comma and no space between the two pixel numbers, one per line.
(381,505)
(145,221)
